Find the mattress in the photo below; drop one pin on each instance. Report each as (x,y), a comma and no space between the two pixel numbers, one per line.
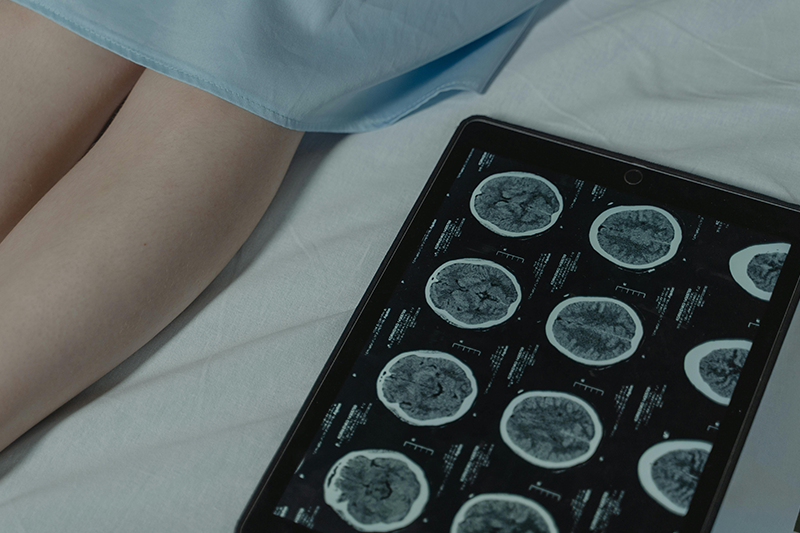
(177,437)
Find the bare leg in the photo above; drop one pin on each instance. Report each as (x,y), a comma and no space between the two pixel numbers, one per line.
(57,91)
(127,239)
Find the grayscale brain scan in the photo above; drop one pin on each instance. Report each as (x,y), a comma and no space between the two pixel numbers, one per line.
(595,331)
(427,388)
(473,293)
(502,513)
(636,237)
(551,429)
(721,369)
(376,490)
(756,268)
(764,269)
(714,367)
(516,204)
(669,472)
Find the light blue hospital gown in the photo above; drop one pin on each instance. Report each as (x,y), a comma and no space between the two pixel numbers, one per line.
(314,65)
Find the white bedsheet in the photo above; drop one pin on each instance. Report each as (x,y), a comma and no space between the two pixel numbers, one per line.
(177,437)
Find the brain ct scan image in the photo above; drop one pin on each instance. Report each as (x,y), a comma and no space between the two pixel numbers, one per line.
(551,429)
(756,268)
(714,367)
(638,237)
(595,331)
(473,293)
(427,388)
(669,472)
(502,513)
(376,490)
(516,204)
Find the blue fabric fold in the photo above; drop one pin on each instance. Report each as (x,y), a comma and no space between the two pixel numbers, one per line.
(314,65)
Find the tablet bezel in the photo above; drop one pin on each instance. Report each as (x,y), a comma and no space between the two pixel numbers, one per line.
(607,169)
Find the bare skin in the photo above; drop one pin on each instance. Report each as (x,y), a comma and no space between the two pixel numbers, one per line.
(116,248)
(56,93)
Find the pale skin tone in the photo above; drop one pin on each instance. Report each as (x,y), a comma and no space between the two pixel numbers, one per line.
(100,250)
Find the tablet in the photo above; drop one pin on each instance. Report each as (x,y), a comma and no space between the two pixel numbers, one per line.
(561,339)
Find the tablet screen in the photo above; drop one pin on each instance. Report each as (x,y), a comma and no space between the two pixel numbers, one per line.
(553,355)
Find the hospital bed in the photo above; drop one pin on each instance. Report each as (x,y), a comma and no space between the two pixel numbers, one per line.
(177,437)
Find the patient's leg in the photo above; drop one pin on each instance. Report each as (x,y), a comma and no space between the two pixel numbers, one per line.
(127,239)
(57,91)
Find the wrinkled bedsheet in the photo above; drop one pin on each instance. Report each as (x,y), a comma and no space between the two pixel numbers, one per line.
(177,437)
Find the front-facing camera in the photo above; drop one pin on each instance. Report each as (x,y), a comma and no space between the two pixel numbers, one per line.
(633,177)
